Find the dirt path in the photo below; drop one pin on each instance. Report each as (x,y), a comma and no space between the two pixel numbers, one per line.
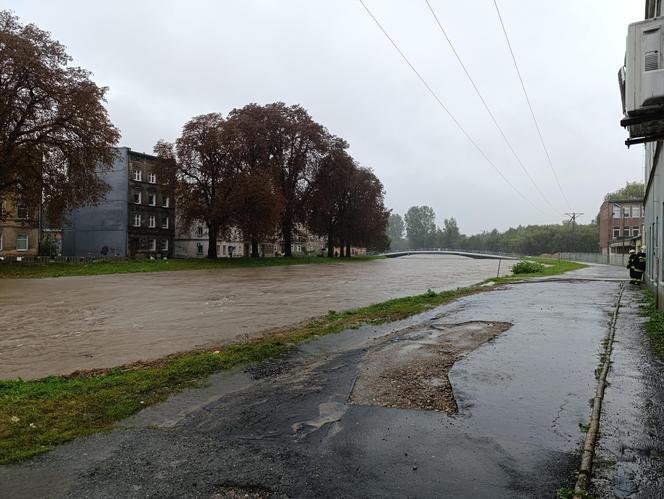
(59,325)
(412,370)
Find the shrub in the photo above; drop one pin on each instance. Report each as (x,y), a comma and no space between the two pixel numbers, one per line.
(527,267)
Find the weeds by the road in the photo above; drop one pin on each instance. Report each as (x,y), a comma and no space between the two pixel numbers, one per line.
(37,415)
(552,266)
(25,270)
(654,323)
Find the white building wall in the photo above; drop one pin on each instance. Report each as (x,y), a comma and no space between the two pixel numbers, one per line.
(654,219)
(193,243)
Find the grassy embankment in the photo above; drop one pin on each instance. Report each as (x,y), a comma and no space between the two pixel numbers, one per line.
(37,415)
(654,323)
(17,271)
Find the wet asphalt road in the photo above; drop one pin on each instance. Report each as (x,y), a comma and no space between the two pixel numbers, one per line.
(292,433)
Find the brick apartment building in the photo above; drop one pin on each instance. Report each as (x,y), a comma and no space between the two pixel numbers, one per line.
(19,232)
(136,218)
(620,225)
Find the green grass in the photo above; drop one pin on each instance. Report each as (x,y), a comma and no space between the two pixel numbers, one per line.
(36,415)
(654,325)
(14,271)
(552,266)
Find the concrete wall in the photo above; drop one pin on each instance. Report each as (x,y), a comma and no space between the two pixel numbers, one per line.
(91,228)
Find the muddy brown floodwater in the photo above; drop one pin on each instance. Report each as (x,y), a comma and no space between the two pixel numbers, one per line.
(60,325)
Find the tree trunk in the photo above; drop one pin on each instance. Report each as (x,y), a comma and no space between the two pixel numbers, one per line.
(330,245)
(287,234)
(347,249)
(212,242)
(254,249)
(342,248)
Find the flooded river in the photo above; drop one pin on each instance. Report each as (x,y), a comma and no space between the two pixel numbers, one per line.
(59,325)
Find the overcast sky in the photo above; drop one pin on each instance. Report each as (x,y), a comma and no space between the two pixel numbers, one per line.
(166,61)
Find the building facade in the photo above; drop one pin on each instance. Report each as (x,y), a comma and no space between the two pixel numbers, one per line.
(620,225)
(19,229)
(136,218)
(193,242)
(644,118)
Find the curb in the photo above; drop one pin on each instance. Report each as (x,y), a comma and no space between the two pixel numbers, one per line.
(585,469)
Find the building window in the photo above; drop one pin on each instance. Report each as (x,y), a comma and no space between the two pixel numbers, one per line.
(164,223)
(153,245)
(626,211)
(152,199)
(152,222)
(164,245)
(199,231)
(22,242)
(199,248)
(166,202)
(636,211)
(616,232)
(626,232)
(138,175)
(635,231)
(152,178)
(137,197)
(224,249)
(21,210)
(616,211)
(137,220)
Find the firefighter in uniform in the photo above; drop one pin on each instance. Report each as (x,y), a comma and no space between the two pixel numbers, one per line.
(636,265)
(640,264)
(630,266)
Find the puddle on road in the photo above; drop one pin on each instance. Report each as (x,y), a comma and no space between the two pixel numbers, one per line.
(411,371)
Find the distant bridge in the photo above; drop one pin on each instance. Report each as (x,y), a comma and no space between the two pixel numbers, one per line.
(469,254)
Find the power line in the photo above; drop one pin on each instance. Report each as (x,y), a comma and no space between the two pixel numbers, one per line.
(488,110)
(532,113)
(440,103)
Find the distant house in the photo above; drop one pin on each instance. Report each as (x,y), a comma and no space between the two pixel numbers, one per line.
(192,242)
(19,232)
(620,225)
(136,218)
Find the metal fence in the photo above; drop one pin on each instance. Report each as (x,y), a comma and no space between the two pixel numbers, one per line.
(610,259)
(44,260)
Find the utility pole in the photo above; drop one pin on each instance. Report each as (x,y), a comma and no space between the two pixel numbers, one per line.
(572,217)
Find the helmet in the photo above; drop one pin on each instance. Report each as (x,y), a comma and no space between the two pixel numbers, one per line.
(631,252)
(643,248)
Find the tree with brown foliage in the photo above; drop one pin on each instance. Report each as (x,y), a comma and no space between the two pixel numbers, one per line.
(296,145)
(365,216)
(257,203)
(346,202)
(256,207)
(205,175)
(54,130)
(329,193)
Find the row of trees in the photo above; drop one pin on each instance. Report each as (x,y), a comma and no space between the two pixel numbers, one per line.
(269,169)
(264,169)
(420,231)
